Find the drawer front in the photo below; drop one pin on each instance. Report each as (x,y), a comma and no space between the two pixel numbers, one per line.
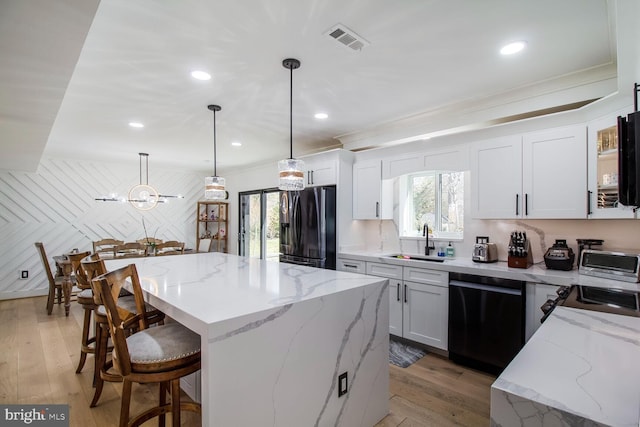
(422,275)
(384,270)
(351,265)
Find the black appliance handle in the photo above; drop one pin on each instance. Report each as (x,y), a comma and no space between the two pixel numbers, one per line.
(526,204)
(589,193)
(623,154)
(405,293)
(481,287)
(517,204)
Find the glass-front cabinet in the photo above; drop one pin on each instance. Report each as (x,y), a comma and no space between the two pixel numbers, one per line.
(603,169)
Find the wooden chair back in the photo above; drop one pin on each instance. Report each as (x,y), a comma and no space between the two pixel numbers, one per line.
(76,268)
(93,267)
(130,250)
(120,320)
(149,241)
(106,246)
(45,264)
(171,247)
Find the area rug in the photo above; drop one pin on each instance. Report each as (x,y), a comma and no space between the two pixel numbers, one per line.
(404,355)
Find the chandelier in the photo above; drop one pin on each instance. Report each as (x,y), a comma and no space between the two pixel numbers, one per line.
(214,185)
(142,196)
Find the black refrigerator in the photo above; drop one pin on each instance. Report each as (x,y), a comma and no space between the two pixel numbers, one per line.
(308,227)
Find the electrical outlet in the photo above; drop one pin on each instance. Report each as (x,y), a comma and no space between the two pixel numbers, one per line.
(24,274)
(342,384)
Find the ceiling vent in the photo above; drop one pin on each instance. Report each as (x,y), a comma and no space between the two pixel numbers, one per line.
(347,37)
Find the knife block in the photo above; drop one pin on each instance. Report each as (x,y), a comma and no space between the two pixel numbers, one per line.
(523,261)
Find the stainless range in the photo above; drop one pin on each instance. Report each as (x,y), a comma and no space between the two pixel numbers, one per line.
(608,300)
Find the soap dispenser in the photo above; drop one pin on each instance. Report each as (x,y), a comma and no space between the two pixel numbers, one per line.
(450,250)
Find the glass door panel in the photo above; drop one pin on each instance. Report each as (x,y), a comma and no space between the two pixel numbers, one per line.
(259,233)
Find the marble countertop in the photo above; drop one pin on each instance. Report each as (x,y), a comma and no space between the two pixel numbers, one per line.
(214,287)
(537,273)
(579,365)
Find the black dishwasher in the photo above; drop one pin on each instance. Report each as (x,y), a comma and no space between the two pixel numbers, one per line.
(486,321)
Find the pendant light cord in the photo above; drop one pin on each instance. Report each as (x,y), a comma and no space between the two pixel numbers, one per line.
(291,113)
(215,172)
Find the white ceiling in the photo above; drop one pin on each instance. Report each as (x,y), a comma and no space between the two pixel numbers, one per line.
(424,55)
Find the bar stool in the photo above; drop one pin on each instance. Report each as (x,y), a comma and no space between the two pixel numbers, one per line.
(163,354)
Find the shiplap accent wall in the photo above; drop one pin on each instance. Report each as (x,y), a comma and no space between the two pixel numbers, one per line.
(56,206)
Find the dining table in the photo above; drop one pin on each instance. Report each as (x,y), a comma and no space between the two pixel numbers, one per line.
(298,345)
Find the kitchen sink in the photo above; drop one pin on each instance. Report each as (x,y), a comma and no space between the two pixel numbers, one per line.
(417,257)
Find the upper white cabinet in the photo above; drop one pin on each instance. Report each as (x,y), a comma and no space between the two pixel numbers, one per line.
(539,175)
(372,197)
(602,151)
(321,170)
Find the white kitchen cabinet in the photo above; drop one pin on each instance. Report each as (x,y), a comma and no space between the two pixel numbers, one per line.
(394,274)
(351,265)
(418,308)
(539,175)
(602,154)
(537,295)
(321,172)
(372,196)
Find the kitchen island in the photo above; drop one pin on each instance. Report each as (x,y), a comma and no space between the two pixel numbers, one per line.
(580,368)
(276,337)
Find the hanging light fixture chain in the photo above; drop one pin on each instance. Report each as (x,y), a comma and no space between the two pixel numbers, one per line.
(214,108)
(291,113)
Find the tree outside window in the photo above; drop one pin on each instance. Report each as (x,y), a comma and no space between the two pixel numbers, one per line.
(435,198)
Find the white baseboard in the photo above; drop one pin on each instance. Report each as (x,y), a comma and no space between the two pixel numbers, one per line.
(23,294)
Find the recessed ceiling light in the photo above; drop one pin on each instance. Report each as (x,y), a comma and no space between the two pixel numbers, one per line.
(200,75)
(321,115)
(236,144)
(512,48)
(136,125)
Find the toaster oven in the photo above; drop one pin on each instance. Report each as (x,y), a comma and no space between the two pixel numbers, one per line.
(610,265)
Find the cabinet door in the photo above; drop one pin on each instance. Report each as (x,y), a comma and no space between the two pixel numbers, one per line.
(537,295)
(395,307)
(425,314)
(367,180)
(321,173)
(602,168)
(554,178)
(496,178)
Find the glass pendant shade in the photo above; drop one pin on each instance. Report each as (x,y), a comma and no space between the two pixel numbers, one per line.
(214,188)
(291,174)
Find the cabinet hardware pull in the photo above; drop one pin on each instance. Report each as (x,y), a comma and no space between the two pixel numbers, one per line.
(589,202)
(398,291)
(526,204)
(517,204)
(350,265)
(405,293)
(377,209)
(312,177)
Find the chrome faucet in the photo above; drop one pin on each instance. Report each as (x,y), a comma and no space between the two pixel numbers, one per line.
(425,233)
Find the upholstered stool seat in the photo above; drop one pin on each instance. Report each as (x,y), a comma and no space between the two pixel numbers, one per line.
(85,297)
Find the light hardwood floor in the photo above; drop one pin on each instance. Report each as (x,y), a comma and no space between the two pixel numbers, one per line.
(39,355)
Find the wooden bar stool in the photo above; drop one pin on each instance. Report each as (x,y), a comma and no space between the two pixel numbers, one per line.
(93,267)
(163,354)
(84,298)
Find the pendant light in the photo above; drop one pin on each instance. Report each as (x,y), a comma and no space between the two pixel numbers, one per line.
(291,170)
(214,185)
(142,196)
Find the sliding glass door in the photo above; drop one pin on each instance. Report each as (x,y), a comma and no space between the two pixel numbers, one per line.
(259,234)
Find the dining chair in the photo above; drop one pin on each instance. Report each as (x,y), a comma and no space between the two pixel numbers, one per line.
(149,241)
(204,245)
(162,354)
(55,282)
(130,250)
(84,298)
(171,247)
(93,267)
(105,247)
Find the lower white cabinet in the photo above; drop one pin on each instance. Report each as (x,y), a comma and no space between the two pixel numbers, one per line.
(351,265)
(537,295)
(418,307)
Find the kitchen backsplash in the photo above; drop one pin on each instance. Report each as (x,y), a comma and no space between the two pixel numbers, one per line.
(383,236)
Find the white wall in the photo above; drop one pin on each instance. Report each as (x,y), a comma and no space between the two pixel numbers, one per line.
(56,206)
